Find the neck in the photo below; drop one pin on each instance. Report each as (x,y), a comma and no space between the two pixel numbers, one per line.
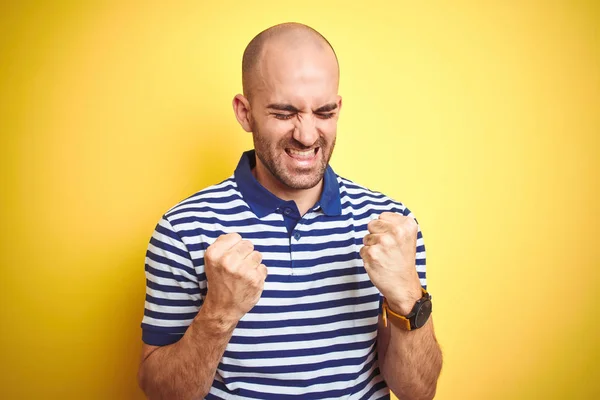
(304,198)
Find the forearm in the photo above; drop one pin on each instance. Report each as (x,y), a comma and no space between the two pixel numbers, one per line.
(412,362)
(186,369)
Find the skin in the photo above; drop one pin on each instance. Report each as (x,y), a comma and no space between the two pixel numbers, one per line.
(295,107)
(186,369)
(410,361)
(291,105)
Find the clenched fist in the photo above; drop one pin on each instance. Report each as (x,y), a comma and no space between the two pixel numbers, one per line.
(235,276)
(389,256)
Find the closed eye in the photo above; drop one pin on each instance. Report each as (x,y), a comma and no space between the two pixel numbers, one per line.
(325,115)
(283,117)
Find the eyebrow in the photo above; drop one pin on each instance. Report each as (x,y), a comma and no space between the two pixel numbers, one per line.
(283,107)
(291,108)
(327,108)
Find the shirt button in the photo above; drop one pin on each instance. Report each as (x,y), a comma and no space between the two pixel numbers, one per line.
(287,211)
(297,236)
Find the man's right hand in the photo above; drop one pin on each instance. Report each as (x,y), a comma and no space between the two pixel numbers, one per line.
(186,369)
(235,276)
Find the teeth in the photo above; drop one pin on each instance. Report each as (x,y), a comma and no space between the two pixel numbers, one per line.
(306,153)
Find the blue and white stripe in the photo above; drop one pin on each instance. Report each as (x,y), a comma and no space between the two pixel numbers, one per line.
(313,333)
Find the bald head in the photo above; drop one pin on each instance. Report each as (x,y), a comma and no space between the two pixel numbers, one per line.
(275,42)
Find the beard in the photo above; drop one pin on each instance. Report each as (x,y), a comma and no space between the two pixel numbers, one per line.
(273,157)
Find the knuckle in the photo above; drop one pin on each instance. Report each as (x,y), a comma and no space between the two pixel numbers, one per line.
(247,245)
(228,260)
(234,235)
(408,228)
(209,253)
(412,225)
(397,231)
(387,240)
(366,239)
(256,281)
(240,274)
(369,251)
(264,270)
(261,284)
(256,256)
(225,237)
(248,277)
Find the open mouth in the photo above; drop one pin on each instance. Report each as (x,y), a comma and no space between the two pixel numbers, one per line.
(302,154)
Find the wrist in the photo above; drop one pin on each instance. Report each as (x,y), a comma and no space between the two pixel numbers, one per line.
(416,318)
(219,321)
(404,304)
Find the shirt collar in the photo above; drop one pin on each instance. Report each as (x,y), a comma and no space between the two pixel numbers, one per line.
(262,202)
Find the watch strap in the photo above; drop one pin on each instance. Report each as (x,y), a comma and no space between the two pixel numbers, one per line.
(400,321)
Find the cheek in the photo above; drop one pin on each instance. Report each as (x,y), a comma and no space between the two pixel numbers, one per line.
(275,130)
(328,127)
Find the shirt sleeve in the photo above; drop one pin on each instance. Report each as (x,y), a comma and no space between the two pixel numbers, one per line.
(173,295)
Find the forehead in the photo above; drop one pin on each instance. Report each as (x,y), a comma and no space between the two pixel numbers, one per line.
(302,75)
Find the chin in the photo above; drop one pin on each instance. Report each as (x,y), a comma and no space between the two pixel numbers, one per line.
(303,183)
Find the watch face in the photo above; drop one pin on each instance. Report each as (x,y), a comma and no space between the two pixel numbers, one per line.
(423,314)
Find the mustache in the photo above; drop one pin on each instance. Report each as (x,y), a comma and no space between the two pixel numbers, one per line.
(296,145)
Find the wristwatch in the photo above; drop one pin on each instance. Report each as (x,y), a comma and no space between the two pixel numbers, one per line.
(417,317)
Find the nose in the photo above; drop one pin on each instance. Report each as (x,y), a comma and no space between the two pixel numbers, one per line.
(306,132)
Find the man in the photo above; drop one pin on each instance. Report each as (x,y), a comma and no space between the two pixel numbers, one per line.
(280,281)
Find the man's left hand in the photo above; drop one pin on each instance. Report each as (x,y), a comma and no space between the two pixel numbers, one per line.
(389,256)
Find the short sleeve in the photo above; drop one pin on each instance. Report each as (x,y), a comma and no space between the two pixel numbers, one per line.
(173,295)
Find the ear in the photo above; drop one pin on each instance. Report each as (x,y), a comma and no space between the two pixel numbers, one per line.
(339,103)
(241,109)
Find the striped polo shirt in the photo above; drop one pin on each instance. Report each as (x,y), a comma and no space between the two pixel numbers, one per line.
(313,333)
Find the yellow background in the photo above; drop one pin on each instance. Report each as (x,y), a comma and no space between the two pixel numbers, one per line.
(482,117)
